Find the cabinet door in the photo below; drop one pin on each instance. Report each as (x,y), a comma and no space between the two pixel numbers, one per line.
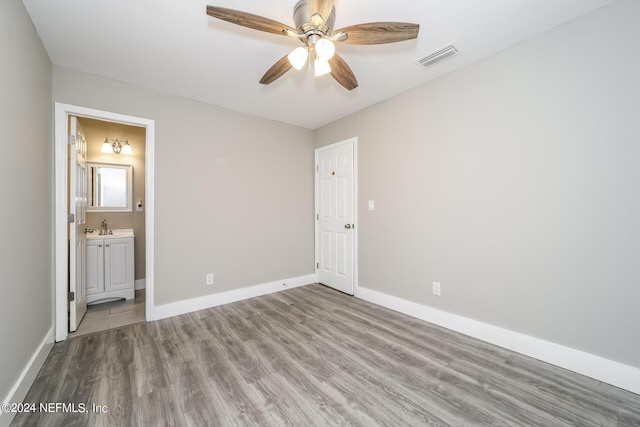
(95,267)
(118,264)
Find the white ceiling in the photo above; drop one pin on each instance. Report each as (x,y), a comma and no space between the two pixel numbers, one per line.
(174,47)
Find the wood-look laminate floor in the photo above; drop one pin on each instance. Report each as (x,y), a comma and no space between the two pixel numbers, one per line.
(311,356)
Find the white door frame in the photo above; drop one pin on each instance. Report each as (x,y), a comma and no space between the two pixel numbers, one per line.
(354,142)
(61,258)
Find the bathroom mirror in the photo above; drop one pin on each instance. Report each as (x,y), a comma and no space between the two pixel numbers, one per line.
(109,187)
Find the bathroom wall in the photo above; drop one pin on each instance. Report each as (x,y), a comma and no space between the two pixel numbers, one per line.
(95,133)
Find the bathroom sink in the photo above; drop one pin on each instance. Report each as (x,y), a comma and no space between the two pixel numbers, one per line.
(109,234)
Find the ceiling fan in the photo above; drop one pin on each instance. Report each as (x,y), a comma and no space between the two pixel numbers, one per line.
(314,21)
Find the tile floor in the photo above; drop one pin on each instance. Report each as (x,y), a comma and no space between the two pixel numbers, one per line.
(112,315)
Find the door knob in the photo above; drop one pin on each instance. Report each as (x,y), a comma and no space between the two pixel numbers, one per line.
(347,226)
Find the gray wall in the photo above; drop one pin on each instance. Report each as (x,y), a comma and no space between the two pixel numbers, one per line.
(514,183)
(25,193)
(233,193)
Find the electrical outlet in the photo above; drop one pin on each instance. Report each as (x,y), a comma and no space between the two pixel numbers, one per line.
(209,278)
(436,288)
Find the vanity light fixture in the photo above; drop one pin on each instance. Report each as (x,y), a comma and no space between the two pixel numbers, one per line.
(116,146)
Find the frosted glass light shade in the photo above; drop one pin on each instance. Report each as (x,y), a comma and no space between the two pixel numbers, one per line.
(325,49)
(106,148)
(321,67)
(298,57)
(126,149)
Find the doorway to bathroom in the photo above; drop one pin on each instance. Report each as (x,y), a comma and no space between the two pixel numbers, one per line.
(104,220)
(113,244)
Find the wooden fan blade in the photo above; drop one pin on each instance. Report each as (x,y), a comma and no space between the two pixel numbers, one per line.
(320,7)
(380,32)
(276,71)
(251,21)
(342,72)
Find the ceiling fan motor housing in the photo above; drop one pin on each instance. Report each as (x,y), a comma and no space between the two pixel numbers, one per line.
(305,27)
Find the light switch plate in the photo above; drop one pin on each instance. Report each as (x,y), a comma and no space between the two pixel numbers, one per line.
(371,205)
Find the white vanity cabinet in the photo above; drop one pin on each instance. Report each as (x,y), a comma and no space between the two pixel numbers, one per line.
(110,267)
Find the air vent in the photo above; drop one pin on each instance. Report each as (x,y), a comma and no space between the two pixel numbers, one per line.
(441,55)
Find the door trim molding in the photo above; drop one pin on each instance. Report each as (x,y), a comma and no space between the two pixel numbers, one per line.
(316,156)
(61,259)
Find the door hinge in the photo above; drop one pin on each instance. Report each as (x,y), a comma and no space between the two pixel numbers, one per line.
(71,296)
(317,168)
(71,218)
(317,217)
(72,140)
(317,265)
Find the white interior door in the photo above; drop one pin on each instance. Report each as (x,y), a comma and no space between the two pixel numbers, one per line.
(77,239)
(336,216)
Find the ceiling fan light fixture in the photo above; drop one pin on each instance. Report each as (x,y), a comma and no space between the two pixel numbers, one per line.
(298,57)
(314,27)
(321,67)
(325,49)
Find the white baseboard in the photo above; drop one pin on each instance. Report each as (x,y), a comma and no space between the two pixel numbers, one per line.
(140,284)
(21,387)
(605,370)
(207,301)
